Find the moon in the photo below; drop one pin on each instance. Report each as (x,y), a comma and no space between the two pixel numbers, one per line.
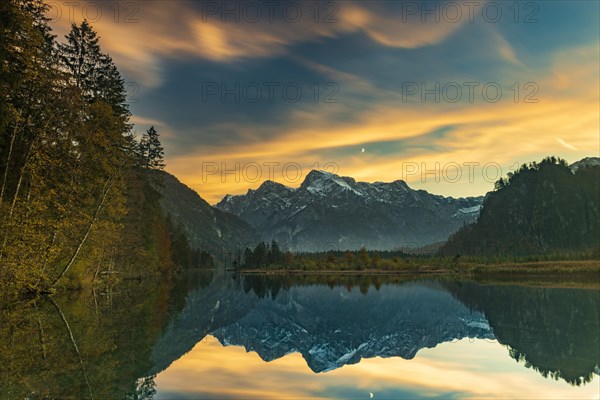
(362,150)
(370,394)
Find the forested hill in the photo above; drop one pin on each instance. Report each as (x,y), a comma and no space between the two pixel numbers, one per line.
(543,208)
(78,200)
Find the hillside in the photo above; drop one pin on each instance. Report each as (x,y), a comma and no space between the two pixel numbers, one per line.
(207,228)
(548,207)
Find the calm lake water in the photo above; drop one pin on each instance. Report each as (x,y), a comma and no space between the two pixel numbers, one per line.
(218,336)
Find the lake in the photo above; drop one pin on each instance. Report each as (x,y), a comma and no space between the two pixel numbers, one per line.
(214,335)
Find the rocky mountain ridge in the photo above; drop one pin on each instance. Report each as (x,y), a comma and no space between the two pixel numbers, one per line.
(329,212)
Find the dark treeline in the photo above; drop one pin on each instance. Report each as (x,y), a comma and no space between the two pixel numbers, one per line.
(270,256)
(542,209)
(77,198)
(183,255)
(265,255)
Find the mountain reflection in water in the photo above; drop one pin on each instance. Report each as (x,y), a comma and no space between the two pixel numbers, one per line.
(150,340)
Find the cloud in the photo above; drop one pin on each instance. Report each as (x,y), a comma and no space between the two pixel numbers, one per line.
(142,123)
(482,132)
(565,144)
(176,29)
(368,53)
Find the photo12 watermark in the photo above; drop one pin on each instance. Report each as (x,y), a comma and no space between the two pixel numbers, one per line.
(119,12)
(454,172)
(270,12)
(254,172)
(468,91)
(526,12)
(269,92)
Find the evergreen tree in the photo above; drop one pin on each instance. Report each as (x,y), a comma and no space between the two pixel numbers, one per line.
(542,208)
(182,255)
(151,150)
(92,71)
(248,258)
(260,254)
(72,196)
(277,256)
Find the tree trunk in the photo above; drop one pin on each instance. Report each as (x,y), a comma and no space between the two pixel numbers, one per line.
(17,189)
(8,160)
(105,191)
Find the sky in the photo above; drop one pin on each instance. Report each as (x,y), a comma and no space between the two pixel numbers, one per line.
(446,95)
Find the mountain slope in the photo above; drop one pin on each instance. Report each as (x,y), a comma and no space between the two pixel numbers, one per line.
(207,228)
(543,207)
(332,212)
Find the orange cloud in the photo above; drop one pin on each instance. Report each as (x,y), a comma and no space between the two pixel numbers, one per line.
(565,121)
(143,33)
(503,133)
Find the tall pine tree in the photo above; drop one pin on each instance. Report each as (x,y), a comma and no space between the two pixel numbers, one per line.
(92,71)
(151,150)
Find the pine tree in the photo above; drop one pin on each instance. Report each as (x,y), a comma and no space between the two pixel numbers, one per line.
(92,71)
(182,254)
(248,258)
(151,150)
(260,255)
(277,256)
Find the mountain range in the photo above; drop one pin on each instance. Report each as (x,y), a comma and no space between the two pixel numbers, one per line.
(330,212)
(544,205)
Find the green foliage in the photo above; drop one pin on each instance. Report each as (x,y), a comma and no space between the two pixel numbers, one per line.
(92,71)
(271,257)
(264,256)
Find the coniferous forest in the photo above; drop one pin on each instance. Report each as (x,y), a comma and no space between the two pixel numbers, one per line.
(78,200)
(542,208)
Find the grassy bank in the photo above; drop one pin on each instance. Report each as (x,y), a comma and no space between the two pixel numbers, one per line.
(589,268)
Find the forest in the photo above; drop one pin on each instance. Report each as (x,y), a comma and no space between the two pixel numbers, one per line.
(78,199)
(542,209)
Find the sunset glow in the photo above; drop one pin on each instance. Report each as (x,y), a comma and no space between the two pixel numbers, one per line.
(193,57)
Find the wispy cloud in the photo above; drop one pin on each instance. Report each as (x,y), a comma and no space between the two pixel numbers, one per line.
(369,53)
(177,29)
(565,144)
(482,132)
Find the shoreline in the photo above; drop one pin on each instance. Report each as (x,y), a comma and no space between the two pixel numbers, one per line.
(514,269)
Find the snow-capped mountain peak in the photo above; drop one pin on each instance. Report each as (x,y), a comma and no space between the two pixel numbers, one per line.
(328,208)
(323,182)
